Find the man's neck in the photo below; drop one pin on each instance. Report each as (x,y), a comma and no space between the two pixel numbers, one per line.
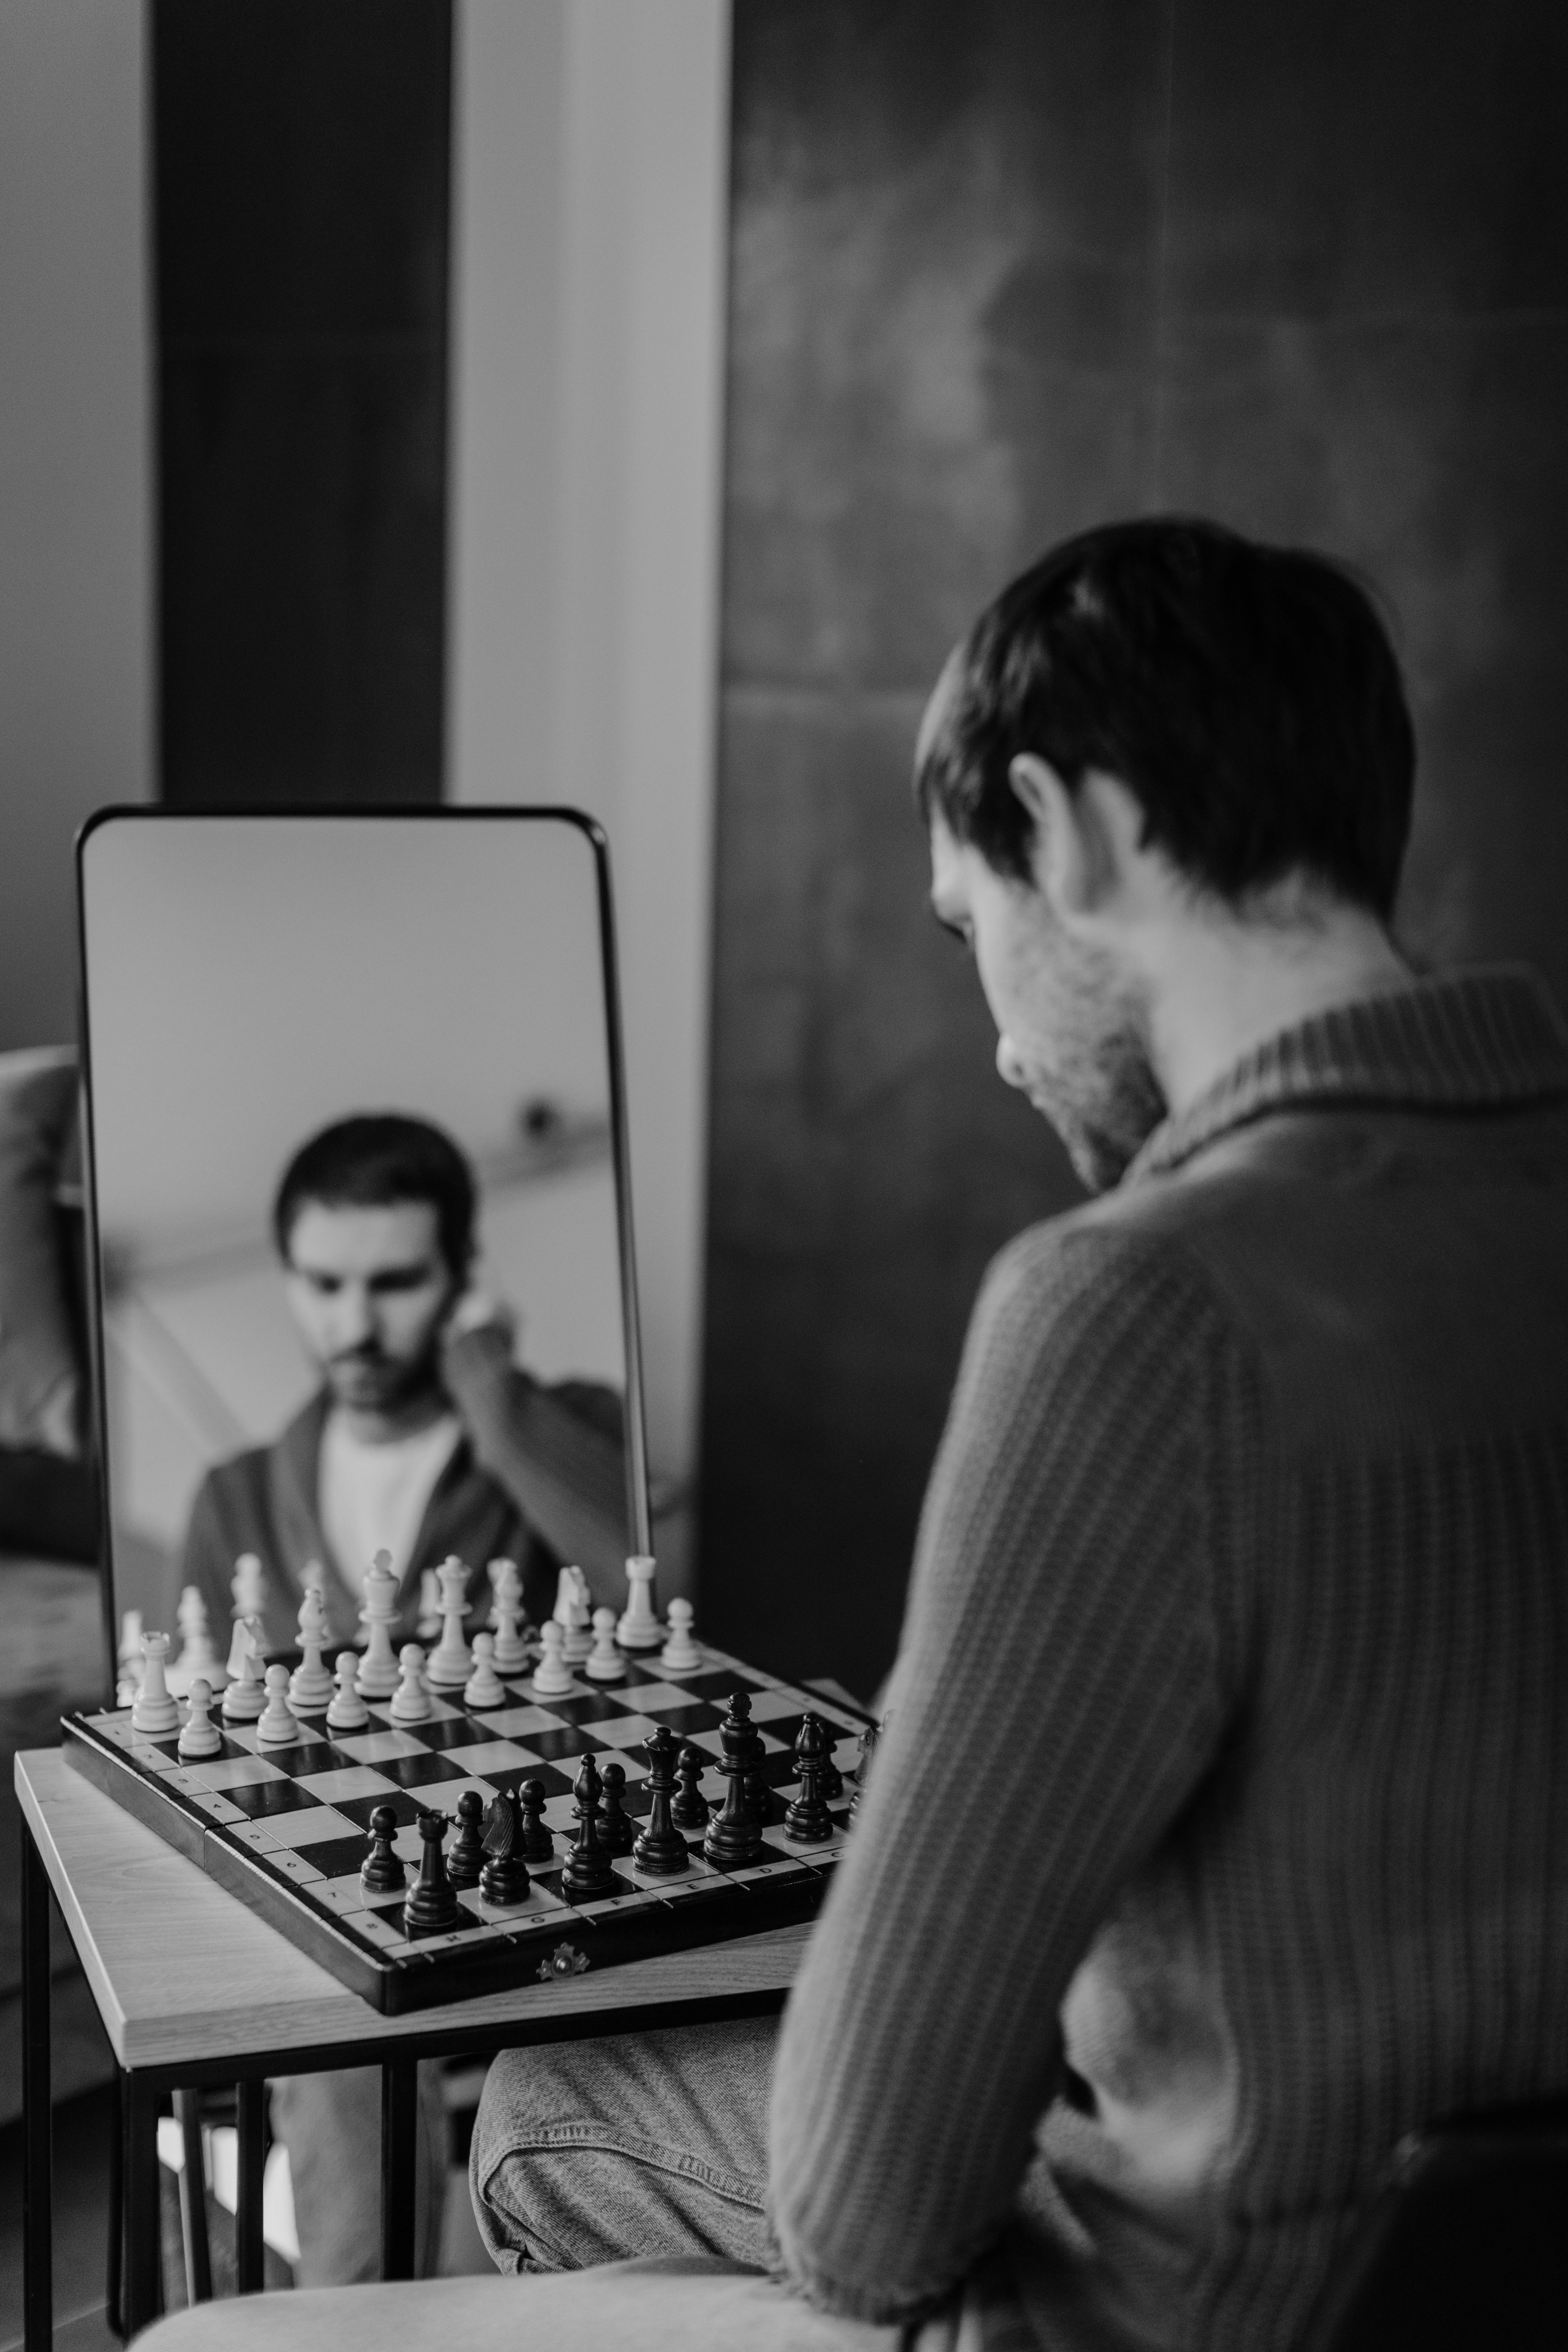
(407,1420)
(1219,989)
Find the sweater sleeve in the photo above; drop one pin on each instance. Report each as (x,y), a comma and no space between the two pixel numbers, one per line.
(1058,1696)
(565,1475)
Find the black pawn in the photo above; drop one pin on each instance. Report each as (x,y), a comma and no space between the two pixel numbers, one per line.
(615,1831)
(868,1750)
(537,1845)
(661,1849)
(733,1838)
(469,1853)
(382,1873)
(691,1809)
(433,1899)
(504,1878)
(807,1821)
(588,1870)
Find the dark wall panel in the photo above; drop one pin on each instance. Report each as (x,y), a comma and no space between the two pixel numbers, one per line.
(999,272)
(301,185)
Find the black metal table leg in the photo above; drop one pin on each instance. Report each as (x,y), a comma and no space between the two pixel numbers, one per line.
(142,2269)
(399,2125)
(37,2178)
(194,2198)
(249,2259)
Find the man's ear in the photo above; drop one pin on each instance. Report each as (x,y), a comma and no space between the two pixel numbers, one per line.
(1084,838)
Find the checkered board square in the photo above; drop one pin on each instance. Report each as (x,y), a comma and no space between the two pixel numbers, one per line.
(287,1828)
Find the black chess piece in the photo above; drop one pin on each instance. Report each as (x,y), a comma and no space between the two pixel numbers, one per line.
(691,1809)
(588,1870)
(615,1829)
(381,1871)
(759,1796)
(733,1838)
(433,1899)
(661,1850)
(469,1853)
(504,1878)
(832,1778)
(869,1738)
(537,1845)
(807,1821)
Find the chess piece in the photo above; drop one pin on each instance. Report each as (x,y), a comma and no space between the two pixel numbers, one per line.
(552,1676)
(830,1779)
(660,1849)
(574,1611)
(378,1668)
(276,1728)
(758,1795)
(382,1871)
(537,1845)
(248,1587)
(245,1695)
(201,1736)
(606,1664)
(449,1663)
(504,1877)
(310,1686)
(197,1655)
(869,1738)
(691,1810)
(154,1711)
(639,1628)
(130,1661)
(433,1899)
(615,1831)
(484,1687)
(588,1870)
(411,1700)
(681,1654)
(733,1838)
(429,1625)
(511,1650)
(807,1821)
(348,1711)
(469,1853)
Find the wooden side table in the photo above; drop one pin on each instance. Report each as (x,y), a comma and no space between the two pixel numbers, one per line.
(193,1989)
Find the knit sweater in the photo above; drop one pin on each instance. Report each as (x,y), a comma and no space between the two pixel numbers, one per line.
(1218,1834)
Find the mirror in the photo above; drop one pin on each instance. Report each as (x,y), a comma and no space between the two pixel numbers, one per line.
(357,1176)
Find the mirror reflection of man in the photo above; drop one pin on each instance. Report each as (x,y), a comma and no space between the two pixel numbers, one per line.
(422,1438)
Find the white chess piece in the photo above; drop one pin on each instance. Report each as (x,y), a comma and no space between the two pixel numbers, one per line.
(574,1610)
(429,1625)
(310,1688)
(248,1587)
(196,1655)
(131,1661)
(639,1628)
(511,1650)
(450,1663)
(681,1654)
(154,1711)
(607,1664)
(411,1700)
(484,1687)
(245,1697)
(277,1727)
(201,1736)
(552,1676)
(348,1711)
(378,1667)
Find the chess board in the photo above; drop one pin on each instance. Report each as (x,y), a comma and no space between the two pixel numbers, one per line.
(287,1828)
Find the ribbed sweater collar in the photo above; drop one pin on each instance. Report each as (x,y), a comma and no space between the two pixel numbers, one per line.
(1488,1037)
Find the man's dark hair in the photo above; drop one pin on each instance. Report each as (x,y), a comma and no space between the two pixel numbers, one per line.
(373,1159)
(1247,695)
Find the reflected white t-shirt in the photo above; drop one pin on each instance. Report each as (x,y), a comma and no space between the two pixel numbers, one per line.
(373,1499)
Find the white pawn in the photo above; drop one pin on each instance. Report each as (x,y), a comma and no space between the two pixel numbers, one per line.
(411,1700)
(248,1586)
(276,1728)
(639,1628)
(310,1688)
(574,1608)
(607,1664)
(450,1663)
(201,1736)
(681,1654)
(552,1675)
(378,1669)
(245,1697)
(348,1711)
(154,1711)
(510,1649)
(484,1687)
(197,1655)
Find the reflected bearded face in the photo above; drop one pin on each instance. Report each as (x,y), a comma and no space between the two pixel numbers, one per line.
(1071,1034)
(370,1292)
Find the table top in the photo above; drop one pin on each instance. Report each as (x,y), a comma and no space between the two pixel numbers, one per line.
(183,1974)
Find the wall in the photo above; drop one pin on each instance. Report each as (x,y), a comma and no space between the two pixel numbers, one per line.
(74,722)
(588,286)
(997,274)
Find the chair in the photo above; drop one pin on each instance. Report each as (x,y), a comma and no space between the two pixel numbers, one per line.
(1466,2247)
